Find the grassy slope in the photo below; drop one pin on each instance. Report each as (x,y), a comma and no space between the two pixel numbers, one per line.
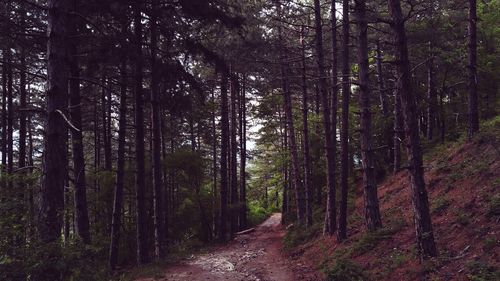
(463,181)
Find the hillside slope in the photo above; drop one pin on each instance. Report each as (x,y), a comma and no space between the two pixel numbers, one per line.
(463,181)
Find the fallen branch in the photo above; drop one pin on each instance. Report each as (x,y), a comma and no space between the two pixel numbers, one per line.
(245,231)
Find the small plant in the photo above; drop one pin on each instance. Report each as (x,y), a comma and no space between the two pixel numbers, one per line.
(463,218)
(494,206)
(489,244)
(346,270)
(439,205)
(479,271)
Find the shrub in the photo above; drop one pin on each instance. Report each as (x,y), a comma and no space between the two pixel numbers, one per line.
(345,270)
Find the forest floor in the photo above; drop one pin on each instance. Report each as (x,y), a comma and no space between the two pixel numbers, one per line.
(255,256)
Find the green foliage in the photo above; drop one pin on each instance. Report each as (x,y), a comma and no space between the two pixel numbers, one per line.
(298,235)
(479,271)
(489,244)
(256,213)
(439,204)
(345,270)
(370,240)
(494,206)
(463,218)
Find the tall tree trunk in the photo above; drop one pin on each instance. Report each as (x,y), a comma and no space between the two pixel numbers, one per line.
(157,167)
(344,137)
(10,124)
(80,195)
(284,150)
(305,132)
(372,211)
(423,225)
(214,165)
(299,192)
(234,153)
(5,69)
(398,131)
(140,182)
(120,165)
(473,98)
(224,158)
(243,156)
(380,80)
(51,201)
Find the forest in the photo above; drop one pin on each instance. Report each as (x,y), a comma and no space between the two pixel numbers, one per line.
(249,140)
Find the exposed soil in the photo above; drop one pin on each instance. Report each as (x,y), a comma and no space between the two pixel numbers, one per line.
(251,256)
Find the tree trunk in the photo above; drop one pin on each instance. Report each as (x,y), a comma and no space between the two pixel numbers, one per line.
(330,165)
(299,192)
(372,211)
(140,182)
(214,165)
(234,153)
(120,165)
(5,69)
(243,156)
(156,151)
(224,158)
(305,133)
(473,98)
(80,195)
(398,131)
(344,137)
(51,201)
(423,225)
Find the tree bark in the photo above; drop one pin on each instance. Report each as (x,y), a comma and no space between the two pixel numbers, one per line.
(234,162)
(142,244)
(223,160)
(305,132)
(398,131)
(80,195)
(344,137)
(473,98)
(299,192)
(120,165)
(51,201)
(243,156)
(156,151)
(423,225)
(372,211)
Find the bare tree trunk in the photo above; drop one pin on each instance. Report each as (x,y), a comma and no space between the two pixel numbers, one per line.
(5,69)
(372,211)
(398,131)
(423,225)
(80,195)
(51,201)
(234,162)
(299,192)
(305,134)
(142,244)
(473,98)
(120,165)
(243,156)
(344,137)
(156,151)
(224,158)
(214,165)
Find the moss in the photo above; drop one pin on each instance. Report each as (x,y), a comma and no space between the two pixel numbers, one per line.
(345,270)
(480,271)
(439,204)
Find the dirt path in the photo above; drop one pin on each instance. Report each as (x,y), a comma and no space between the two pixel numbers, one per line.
(252,256)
